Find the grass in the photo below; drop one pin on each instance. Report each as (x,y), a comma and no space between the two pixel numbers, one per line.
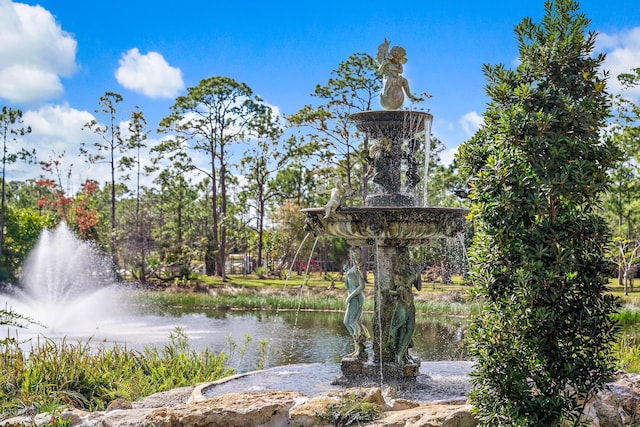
(313,292)
(84,376)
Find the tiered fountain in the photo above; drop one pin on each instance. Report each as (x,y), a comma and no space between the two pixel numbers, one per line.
(391,222)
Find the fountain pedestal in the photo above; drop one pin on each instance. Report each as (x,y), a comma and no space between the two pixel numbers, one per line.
(390,223)
(356,370)
(390,232)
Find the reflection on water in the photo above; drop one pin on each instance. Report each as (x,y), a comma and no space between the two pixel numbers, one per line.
(315,337)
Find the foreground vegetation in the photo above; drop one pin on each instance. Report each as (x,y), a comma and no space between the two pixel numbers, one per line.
(89,375)
(84,375)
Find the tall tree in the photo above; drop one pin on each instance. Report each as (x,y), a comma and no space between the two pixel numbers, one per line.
(112,145)
(180,223)
(139,240)
(211,118)
(537,169)
(351,88)
(298,184)
(11,129)
(623,198)
(259,163)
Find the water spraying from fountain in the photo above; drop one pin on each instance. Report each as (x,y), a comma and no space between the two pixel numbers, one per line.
(67,286)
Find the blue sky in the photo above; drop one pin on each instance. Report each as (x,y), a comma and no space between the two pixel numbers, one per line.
(58,57)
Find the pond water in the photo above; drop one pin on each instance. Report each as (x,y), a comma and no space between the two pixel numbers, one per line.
(292,337)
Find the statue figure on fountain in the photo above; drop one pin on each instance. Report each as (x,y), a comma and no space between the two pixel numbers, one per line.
(380,153)
(403,318)
(354,282)
(338,194)
(395,86)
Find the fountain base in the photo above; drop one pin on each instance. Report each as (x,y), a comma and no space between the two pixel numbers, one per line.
(354,369)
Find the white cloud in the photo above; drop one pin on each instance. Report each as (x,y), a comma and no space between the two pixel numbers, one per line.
(55,130)
(471,122)
(623,54)
(149,74)
(58,130)
(58,127)
(34,53)
(448,155)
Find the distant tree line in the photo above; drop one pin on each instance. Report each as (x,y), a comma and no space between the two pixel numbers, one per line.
(230,177)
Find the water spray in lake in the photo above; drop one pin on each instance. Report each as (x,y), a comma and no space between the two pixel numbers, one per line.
(67,286)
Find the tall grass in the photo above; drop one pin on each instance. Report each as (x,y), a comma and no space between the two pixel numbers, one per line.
(249,300)
(54,374)
(627,352)
(452,303)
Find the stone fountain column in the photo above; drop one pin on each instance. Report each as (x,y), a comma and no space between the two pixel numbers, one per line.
(394,134)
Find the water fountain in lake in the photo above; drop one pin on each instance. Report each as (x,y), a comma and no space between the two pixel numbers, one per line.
(390,223)
(67,286)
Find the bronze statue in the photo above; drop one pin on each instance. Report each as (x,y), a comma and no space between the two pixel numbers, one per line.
(395,86)
(354,282)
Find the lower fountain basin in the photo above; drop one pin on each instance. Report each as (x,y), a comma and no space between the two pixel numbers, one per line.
(442,380)
(388,225)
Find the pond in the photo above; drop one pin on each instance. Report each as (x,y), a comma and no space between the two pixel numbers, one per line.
(292,337)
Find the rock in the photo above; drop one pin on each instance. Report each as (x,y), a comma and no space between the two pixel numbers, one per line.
(310,413)
(618,405)
(124,418)
(429,415)
(230,410)
(21,420)
(166,398)
(119,403)
(74,416)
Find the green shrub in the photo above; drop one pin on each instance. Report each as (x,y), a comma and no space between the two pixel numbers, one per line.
(537,169)
(352,411)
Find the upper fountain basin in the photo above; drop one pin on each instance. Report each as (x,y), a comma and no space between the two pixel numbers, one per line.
(388,225)
(391,123)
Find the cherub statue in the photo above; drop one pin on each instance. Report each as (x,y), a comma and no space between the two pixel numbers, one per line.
(338,193)
(395,86)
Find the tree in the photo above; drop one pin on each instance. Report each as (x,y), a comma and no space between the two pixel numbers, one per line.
(297,184)
(213,116)
(79,210)
(623,198)
(180,218)
(138,241)
(11,129)
(537,169)
(261,163)
(23,227)
(112,144)
(351,88)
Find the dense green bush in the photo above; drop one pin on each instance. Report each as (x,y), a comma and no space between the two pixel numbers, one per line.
(536,170)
